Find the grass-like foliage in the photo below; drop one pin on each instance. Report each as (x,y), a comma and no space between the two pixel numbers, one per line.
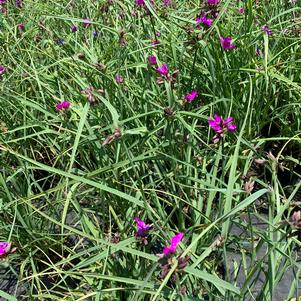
(150,150)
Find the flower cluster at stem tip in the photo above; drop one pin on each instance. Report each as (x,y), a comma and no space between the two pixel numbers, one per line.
(220,126)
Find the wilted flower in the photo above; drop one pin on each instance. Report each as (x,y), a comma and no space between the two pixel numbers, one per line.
(73,28)
(191,96)
(167,3)
(63,105)
(267,30)
(140,2)
(204,20)
(221,126)
(2,69)
(142,227)
(87,22)
(226,43)
(111,138)
(163,70)
(258,52)
(249,186)
(89,93)
(19,3)
(169,112)
(212,2)
(119,79)
(122,40)
(21,26)
(155,43)
(174,242)
(152,60)
(296,219)
(166,264)
(4,248)
(260,161)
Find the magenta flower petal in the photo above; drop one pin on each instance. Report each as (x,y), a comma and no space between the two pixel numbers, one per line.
(63,105)
(163,70)
(228,120)
(206,21)
(59,106)
(231,127)
(142,227)
(152,60)
(218,118)
(119,79)
(140,2)
(214,125)
(174,242)
(191,96)
(4,248)
(212,2)
(2,69)
(221,126)
(226,43)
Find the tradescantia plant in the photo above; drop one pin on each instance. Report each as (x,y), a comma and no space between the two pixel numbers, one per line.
(150,149)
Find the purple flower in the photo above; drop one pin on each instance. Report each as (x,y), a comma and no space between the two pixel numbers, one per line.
(163,70)
(158,34)
(167,3)
(95,34)
(4,248)
(212,2)
(2,2)
(21,26)
(87,22)
(2,69)
(267,30)
(258,52)
(119,79)
(226,43)
(63,105)
(152,60)
(140,2)
(73,28)
(204,20)
(19,3)
(142,227)
(221,126)
(191,96)
(241,10)
(174,242)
